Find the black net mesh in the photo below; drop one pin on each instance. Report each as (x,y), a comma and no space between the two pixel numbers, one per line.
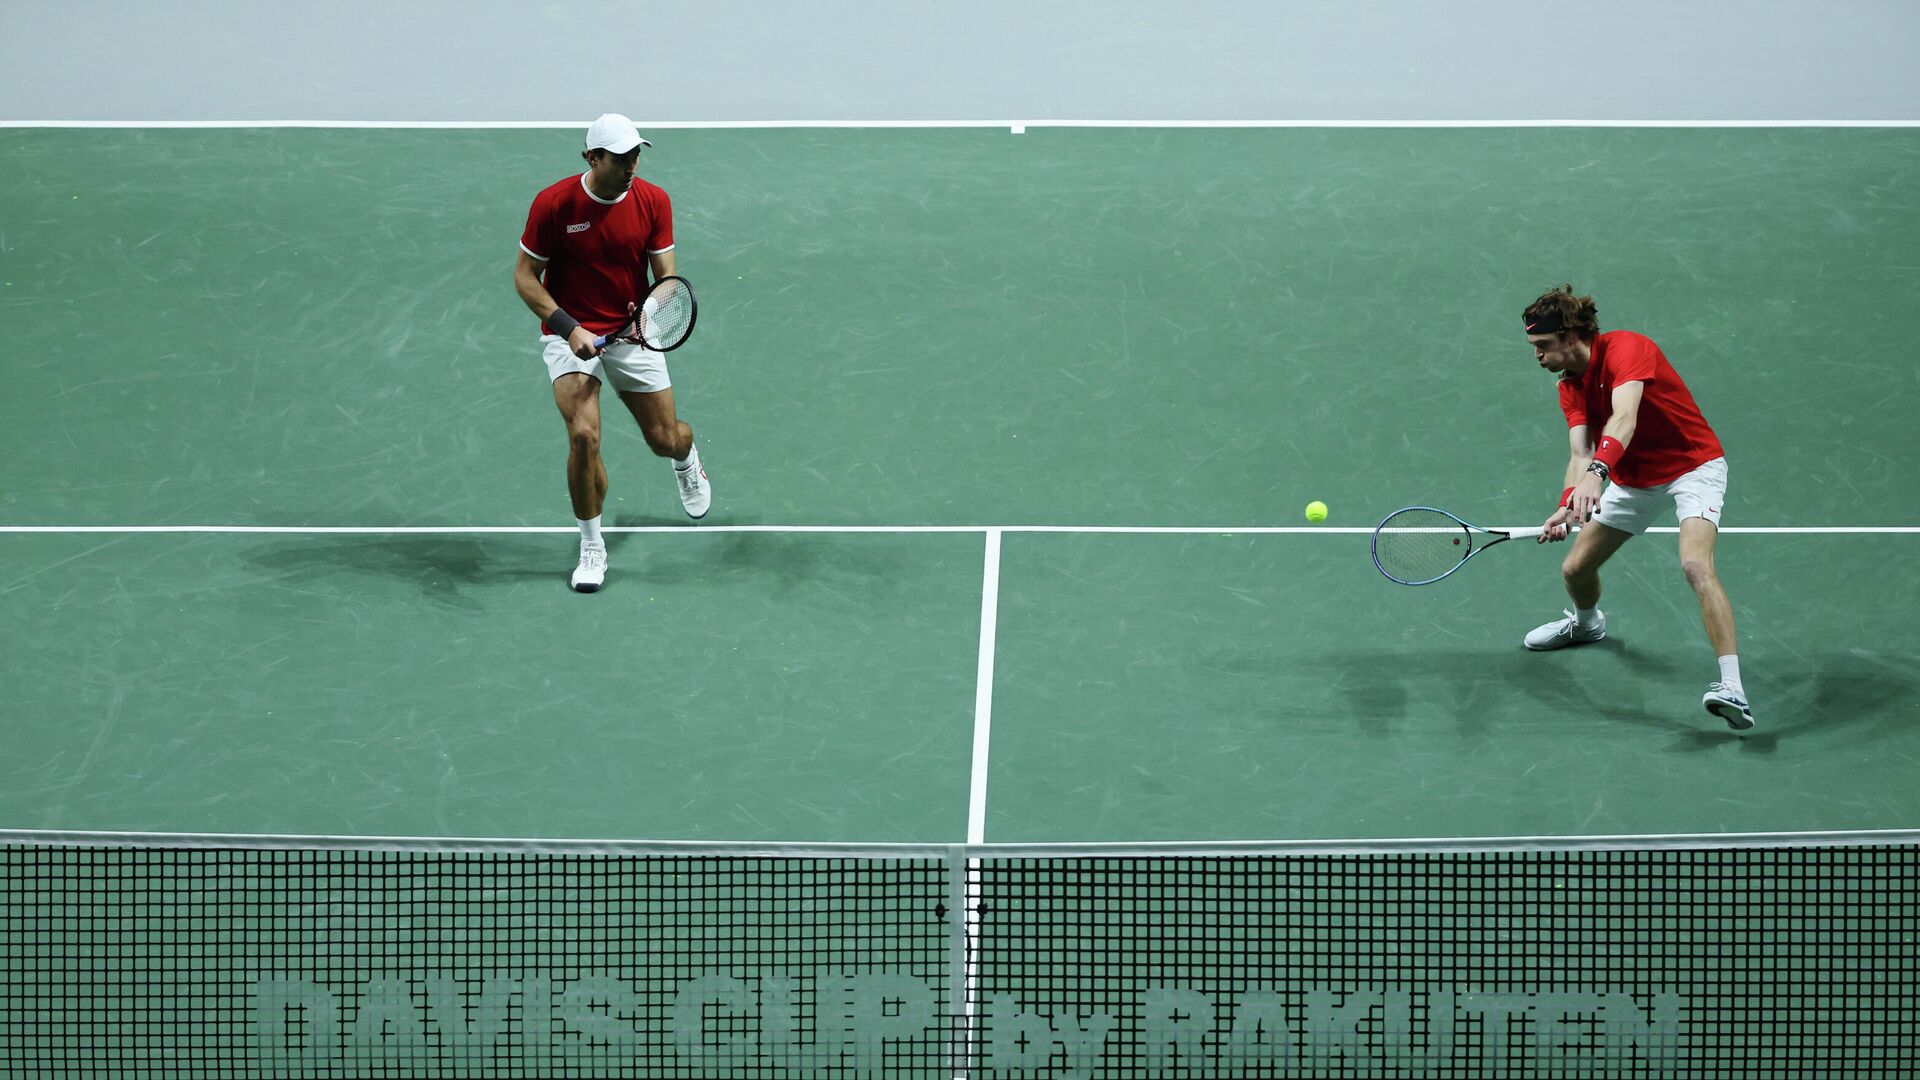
(1787,961)
(208,963)
(1713,963)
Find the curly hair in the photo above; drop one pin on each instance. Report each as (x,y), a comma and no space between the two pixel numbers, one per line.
(1559,306)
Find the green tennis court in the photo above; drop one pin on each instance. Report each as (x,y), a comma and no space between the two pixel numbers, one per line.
(306,329)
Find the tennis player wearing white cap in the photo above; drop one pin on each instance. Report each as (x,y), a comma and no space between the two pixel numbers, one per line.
(590,242)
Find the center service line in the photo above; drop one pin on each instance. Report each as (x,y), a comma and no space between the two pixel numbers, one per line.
(983,691)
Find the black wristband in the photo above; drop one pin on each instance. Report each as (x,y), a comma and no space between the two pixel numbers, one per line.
(562,323)
(1599,468)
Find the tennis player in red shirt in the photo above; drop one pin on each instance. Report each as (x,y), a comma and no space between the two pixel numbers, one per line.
(589,244)
(1640,446)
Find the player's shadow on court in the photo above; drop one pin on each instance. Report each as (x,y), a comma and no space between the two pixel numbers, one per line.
(1476,688)
(446,569)
(1646,687)
(1847,697)
(1472,688)
(782,562)
(622,542)
(1849,694)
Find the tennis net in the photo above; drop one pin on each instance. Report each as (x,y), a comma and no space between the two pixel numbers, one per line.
(243,956)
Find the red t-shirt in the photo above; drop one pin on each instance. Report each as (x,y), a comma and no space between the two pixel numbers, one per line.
(1670,437)
(596,251)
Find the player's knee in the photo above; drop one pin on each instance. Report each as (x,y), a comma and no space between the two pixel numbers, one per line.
(668,440)
(583,441)
(1699,571)
(1573,569)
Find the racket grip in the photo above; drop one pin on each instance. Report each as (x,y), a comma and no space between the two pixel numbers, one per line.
(599,343)
(1533,531)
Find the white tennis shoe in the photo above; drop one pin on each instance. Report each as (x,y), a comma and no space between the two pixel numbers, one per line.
(1730,705)
(592,571)
(696,494)
(1567,631)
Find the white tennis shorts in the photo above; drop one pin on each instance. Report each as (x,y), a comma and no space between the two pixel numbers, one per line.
(1700,493)
(627,368)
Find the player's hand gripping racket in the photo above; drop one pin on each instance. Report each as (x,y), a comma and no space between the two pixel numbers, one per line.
(661,321)
(1420,544)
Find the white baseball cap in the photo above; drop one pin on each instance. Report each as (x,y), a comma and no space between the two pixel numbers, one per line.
(615,133)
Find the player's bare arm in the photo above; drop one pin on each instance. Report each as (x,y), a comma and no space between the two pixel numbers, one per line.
(533,293)
(1557,526)
(1607,451)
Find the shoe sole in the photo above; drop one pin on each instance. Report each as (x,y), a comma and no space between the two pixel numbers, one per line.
(1736,719)
(586,588)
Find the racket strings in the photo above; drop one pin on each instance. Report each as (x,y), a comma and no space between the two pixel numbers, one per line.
(1419,545)
(667,314)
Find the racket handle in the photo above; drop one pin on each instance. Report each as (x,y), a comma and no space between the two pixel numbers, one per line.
(599,343)
(1533,531)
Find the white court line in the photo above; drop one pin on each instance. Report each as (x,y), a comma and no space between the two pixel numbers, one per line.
(1164,530)
(1015,126)
(1515,123)
(983,692)
(1054,849)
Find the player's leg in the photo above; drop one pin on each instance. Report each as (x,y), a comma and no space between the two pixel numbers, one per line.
(640,377)
(1726,698)
(1580,572)
(1697,542)
(1698,497)
(670,437)
(667,435)
(577,395)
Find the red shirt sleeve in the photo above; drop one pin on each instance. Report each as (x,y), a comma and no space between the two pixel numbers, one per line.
(661,238)
(537,237)
(1573,403)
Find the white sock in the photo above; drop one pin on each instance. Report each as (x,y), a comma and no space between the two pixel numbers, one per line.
(589,529)
(688,462)
(1586,618)
(1730,672)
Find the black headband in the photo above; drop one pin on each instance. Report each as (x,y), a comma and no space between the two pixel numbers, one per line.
(1545,322)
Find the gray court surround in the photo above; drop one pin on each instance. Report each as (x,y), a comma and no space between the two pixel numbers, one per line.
(849,60)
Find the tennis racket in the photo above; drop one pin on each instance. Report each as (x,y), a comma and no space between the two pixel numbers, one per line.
(1419,545)
(661,321)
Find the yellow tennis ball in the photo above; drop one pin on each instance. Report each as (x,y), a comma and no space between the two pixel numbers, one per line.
(1316,511)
